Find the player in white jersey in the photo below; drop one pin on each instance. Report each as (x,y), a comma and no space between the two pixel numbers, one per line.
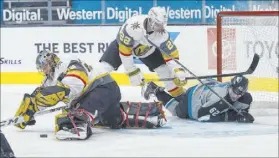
(146,37)
(85,90)
(199,103)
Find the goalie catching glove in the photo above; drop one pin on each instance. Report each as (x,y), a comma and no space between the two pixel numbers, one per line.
(42,98)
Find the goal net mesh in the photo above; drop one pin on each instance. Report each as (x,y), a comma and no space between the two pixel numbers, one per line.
(242,35)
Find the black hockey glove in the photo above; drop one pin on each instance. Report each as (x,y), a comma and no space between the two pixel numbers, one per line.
(245,118)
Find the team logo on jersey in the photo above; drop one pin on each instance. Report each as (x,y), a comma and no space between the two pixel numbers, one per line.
(173,36)
(141,50)
(135,25)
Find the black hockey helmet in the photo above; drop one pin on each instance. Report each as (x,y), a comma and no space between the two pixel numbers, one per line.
(239,84)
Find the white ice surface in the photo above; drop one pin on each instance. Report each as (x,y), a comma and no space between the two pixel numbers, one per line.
(179,138)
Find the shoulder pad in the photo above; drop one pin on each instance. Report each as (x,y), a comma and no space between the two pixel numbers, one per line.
(168,46)
(131,31)
(135,27)
(77,65)
(165,36)
(125,38)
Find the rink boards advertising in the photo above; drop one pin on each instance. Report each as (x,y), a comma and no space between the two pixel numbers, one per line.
(116,12)
(196,44)
(89,42)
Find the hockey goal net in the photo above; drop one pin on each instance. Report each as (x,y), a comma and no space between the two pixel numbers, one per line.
(239,36)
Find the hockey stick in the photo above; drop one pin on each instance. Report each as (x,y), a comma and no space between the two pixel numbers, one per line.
(190,72)
(224,100)
(250,70)
(20,119)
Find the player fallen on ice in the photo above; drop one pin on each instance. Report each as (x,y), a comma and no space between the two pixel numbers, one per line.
(199,103)
(146,37)
(86,91)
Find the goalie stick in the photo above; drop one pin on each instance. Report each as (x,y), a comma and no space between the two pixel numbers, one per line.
(250,70)
(20,119)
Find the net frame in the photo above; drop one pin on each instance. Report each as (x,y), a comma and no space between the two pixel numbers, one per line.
(222,14)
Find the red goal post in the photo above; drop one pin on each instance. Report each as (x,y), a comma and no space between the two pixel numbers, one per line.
(232,14)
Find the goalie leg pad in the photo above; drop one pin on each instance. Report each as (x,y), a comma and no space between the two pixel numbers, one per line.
(73,125)
(133,108)
(143,115)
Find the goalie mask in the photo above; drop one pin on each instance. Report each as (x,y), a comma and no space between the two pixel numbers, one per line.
(46,62)
(238,87)
(157,19)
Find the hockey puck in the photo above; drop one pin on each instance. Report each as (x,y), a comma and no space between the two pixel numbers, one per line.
(43,135)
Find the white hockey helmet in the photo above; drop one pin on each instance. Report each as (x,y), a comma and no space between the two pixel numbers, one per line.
(157,19)
(46,62)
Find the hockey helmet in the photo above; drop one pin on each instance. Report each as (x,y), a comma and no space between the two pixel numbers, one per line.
(157,19)
(238,87)
(46,58)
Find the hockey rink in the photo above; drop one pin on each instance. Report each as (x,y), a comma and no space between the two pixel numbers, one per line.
(179,138)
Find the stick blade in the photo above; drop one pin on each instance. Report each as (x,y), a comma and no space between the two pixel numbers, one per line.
(254,64)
